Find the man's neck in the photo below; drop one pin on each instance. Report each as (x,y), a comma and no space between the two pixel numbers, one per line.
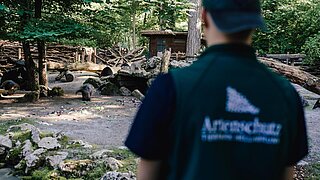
(214,38)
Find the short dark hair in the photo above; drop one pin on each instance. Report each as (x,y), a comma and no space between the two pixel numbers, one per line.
(240,36)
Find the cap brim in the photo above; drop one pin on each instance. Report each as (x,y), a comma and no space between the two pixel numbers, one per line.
(231,22)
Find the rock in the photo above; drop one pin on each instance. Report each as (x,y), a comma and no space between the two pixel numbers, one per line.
(2,152)
(101,154)
(18,143)
(33,158)
(152,63)
(76,167)
(49,143)
(302,163)
(304,102)
(179,64)
(136,93)
(27,148)
(81,143)
(141,73)
(317,104)
(44,91)
(58,135)
(30,97)
(95,82)
(5,174)
(5,142)
(56,91)
(109,89)
(35,132)
(125,91)
(113,164)
(124,72)
(118,176)
(55,160)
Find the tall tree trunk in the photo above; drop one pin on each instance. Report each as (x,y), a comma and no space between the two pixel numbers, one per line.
(194,31)
(43,78)
(32,79)
(134,21)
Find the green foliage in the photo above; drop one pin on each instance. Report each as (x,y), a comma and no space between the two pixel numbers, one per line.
(4,125)
(97,172)
(89,22)
(292,24)
(46,174)
(127,158)
(312,49)
(313,171)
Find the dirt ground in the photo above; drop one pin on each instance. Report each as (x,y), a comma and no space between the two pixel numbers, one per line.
(105,121)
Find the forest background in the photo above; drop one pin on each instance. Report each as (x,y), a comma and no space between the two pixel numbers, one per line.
(293,24)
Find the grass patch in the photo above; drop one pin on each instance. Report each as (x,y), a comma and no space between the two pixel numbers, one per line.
(4,125)
(127,158)
(313,171)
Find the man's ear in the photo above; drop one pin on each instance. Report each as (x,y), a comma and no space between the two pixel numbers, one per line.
(204,17)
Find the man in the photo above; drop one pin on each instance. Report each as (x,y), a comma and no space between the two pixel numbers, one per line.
(224,117)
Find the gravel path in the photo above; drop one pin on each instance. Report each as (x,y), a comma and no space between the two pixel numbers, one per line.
(313,123)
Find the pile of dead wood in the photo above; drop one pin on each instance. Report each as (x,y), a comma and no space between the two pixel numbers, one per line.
(61,53)
(117,56)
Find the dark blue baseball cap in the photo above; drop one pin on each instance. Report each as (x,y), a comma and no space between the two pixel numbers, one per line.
(232,16)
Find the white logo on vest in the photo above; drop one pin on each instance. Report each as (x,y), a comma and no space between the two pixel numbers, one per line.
(243,131)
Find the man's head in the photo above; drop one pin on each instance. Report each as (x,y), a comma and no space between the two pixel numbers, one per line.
(235,20)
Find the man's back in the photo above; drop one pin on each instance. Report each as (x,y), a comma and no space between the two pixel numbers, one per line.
(234,118)
(225,117)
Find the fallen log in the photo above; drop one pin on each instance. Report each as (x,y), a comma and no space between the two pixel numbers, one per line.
(294,74)
(87,66)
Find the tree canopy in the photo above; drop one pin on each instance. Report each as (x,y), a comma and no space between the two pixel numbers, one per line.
(293,28)
(293,24)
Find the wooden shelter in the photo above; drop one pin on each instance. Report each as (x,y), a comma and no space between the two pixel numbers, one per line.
(161,40)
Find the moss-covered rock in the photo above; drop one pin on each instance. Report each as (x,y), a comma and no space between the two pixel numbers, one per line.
(76,168)
(30,97)
(56,91)
(95,82)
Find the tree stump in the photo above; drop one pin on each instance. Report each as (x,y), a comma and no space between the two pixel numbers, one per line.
(69,76)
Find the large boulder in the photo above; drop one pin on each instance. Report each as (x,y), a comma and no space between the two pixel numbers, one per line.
(56,159)
(49,143)
(76,167)
(113,164)
(125,91)
(34,158)
(102,154)
(27,148)
(110,89)
(35,132)
(5,142)
(95,82)
(56,91)
(118,176)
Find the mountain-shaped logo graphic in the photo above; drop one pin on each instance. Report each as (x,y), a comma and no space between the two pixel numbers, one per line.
(238,103)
